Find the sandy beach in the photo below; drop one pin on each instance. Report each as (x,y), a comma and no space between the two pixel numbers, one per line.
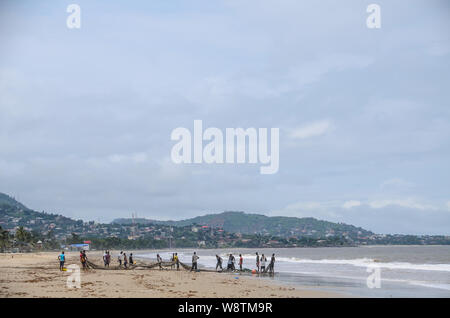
(38,275)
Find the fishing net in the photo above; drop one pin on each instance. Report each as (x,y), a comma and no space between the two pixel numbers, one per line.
(157,265)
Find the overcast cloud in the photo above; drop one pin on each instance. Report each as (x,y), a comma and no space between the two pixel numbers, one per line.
(86,114)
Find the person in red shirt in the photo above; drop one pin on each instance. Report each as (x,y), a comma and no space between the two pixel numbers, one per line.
(83,259)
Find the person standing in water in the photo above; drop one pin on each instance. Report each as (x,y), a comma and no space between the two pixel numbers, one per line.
(257,262)
(219,262)
(233,261)
(263,263)
(194,262)
(272,264)
(230,262)
(241,262)
(62,259)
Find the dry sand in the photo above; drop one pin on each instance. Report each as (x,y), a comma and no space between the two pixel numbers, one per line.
(38,275)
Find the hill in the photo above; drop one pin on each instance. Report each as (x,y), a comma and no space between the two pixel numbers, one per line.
(240,222)
(19,224)
(14,214)
(9,201)
(23,228)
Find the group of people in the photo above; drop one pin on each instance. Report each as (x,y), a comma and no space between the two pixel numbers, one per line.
(175,261)
(261,263)
(231,262)
(122,259)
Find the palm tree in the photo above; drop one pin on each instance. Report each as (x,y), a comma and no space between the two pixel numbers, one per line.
(4,238)
(22,235)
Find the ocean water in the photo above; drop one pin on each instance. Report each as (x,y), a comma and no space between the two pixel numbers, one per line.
(404,271)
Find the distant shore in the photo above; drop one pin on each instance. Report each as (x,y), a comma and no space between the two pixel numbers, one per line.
(37,275)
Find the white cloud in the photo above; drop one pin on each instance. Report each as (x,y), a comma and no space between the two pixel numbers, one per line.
(311,130)
(405,203)
(350,204)
(321,210)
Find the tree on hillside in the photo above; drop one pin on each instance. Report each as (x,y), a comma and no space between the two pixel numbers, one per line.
(74,239)
(22,235)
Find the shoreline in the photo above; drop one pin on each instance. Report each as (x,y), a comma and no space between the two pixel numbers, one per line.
(37,275)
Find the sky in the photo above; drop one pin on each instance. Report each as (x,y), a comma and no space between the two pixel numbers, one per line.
(86,114)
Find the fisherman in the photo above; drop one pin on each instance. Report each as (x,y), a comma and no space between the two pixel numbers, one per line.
(177,261)
(241,262)
(272,264)
(172,260)
(105,258)
(131,259)
(159,260)
(233,261)
(83,259)
(62,259)
(219,262)
(194,261)
(119,258)
(230,262)
(257,262)
(263,263)
(108,258)
(125,260)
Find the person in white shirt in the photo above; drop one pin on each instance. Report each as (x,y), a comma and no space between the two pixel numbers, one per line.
(263,263)
(194,261)
(230,263)
(119,258)
(105,258)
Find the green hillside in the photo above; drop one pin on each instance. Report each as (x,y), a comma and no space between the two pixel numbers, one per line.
(9,201)
(240,222)
(23,228)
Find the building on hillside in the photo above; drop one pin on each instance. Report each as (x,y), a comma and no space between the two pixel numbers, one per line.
(79,247)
